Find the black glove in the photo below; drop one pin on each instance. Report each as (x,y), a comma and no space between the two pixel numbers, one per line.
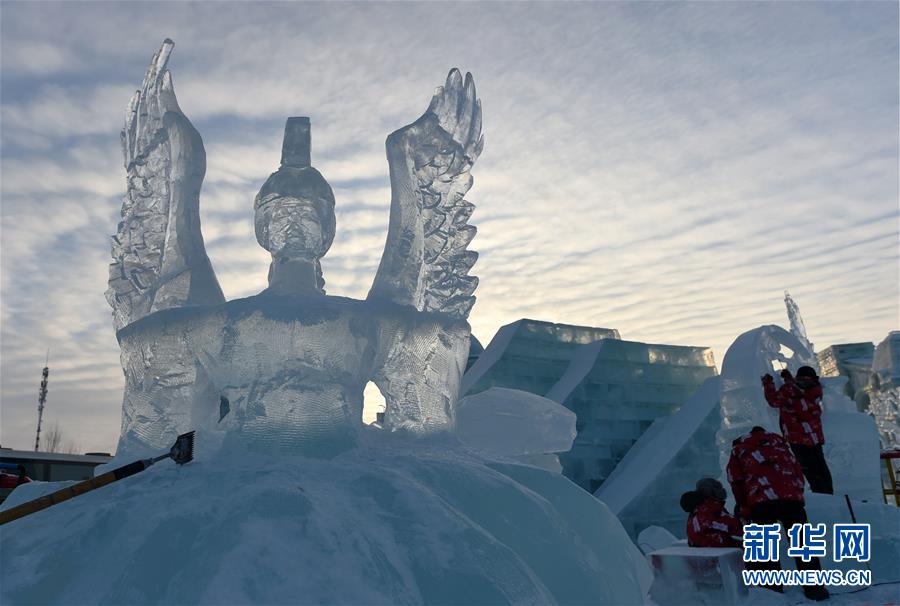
(786,374)
(767,378)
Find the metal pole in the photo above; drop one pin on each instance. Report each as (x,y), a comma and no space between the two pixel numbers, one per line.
(42,399)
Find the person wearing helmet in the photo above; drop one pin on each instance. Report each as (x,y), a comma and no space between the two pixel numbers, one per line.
(799,403)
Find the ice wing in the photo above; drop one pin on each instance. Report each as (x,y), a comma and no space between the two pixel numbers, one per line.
(425,262)
(159,261)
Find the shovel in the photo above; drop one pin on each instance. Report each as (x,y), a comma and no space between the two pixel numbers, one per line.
(181,452)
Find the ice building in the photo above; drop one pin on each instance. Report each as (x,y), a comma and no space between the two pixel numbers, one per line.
(644,488)
(617,389)
(853,361)
(530,355)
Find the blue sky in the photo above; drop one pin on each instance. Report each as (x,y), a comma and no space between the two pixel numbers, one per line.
(663,169)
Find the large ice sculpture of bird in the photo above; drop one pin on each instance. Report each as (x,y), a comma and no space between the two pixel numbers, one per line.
(286,368)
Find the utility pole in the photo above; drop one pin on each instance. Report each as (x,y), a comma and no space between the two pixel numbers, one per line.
(42,399)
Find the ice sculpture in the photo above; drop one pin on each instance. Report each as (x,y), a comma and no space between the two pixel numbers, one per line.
(798,329)
(767,349)
(884,390)
(286,368)
(394,521)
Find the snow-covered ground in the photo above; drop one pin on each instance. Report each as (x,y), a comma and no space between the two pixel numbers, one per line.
(877,595)
(403,522)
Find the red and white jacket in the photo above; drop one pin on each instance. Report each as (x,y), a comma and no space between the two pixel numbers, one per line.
(712,526)
(799,411)
(763,468)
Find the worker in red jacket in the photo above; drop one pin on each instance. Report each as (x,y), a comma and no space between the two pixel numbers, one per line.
(767,483)
(799,403)
(709,523)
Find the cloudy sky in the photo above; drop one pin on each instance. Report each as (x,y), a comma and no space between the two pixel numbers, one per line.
(663,169)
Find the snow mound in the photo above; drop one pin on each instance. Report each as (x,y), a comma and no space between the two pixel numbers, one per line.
(422,522)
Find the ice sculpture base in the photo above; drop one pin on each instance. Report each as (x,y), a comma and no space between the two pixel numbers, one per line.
(409,522)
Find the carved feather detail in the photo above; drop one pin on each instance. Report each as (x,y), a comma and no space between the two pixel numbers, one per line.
(159,260)
(426,260)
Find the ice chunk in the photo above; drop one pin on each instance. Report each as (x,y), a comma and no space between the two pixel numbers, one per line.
(653,538)
(693,575)
(852,452)
(885,408)
(834,395)
(514,422)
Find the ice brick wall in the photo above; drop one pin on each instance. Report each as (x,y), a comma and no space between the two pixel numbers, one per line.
(530,355)
(667,460)
(617,389)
